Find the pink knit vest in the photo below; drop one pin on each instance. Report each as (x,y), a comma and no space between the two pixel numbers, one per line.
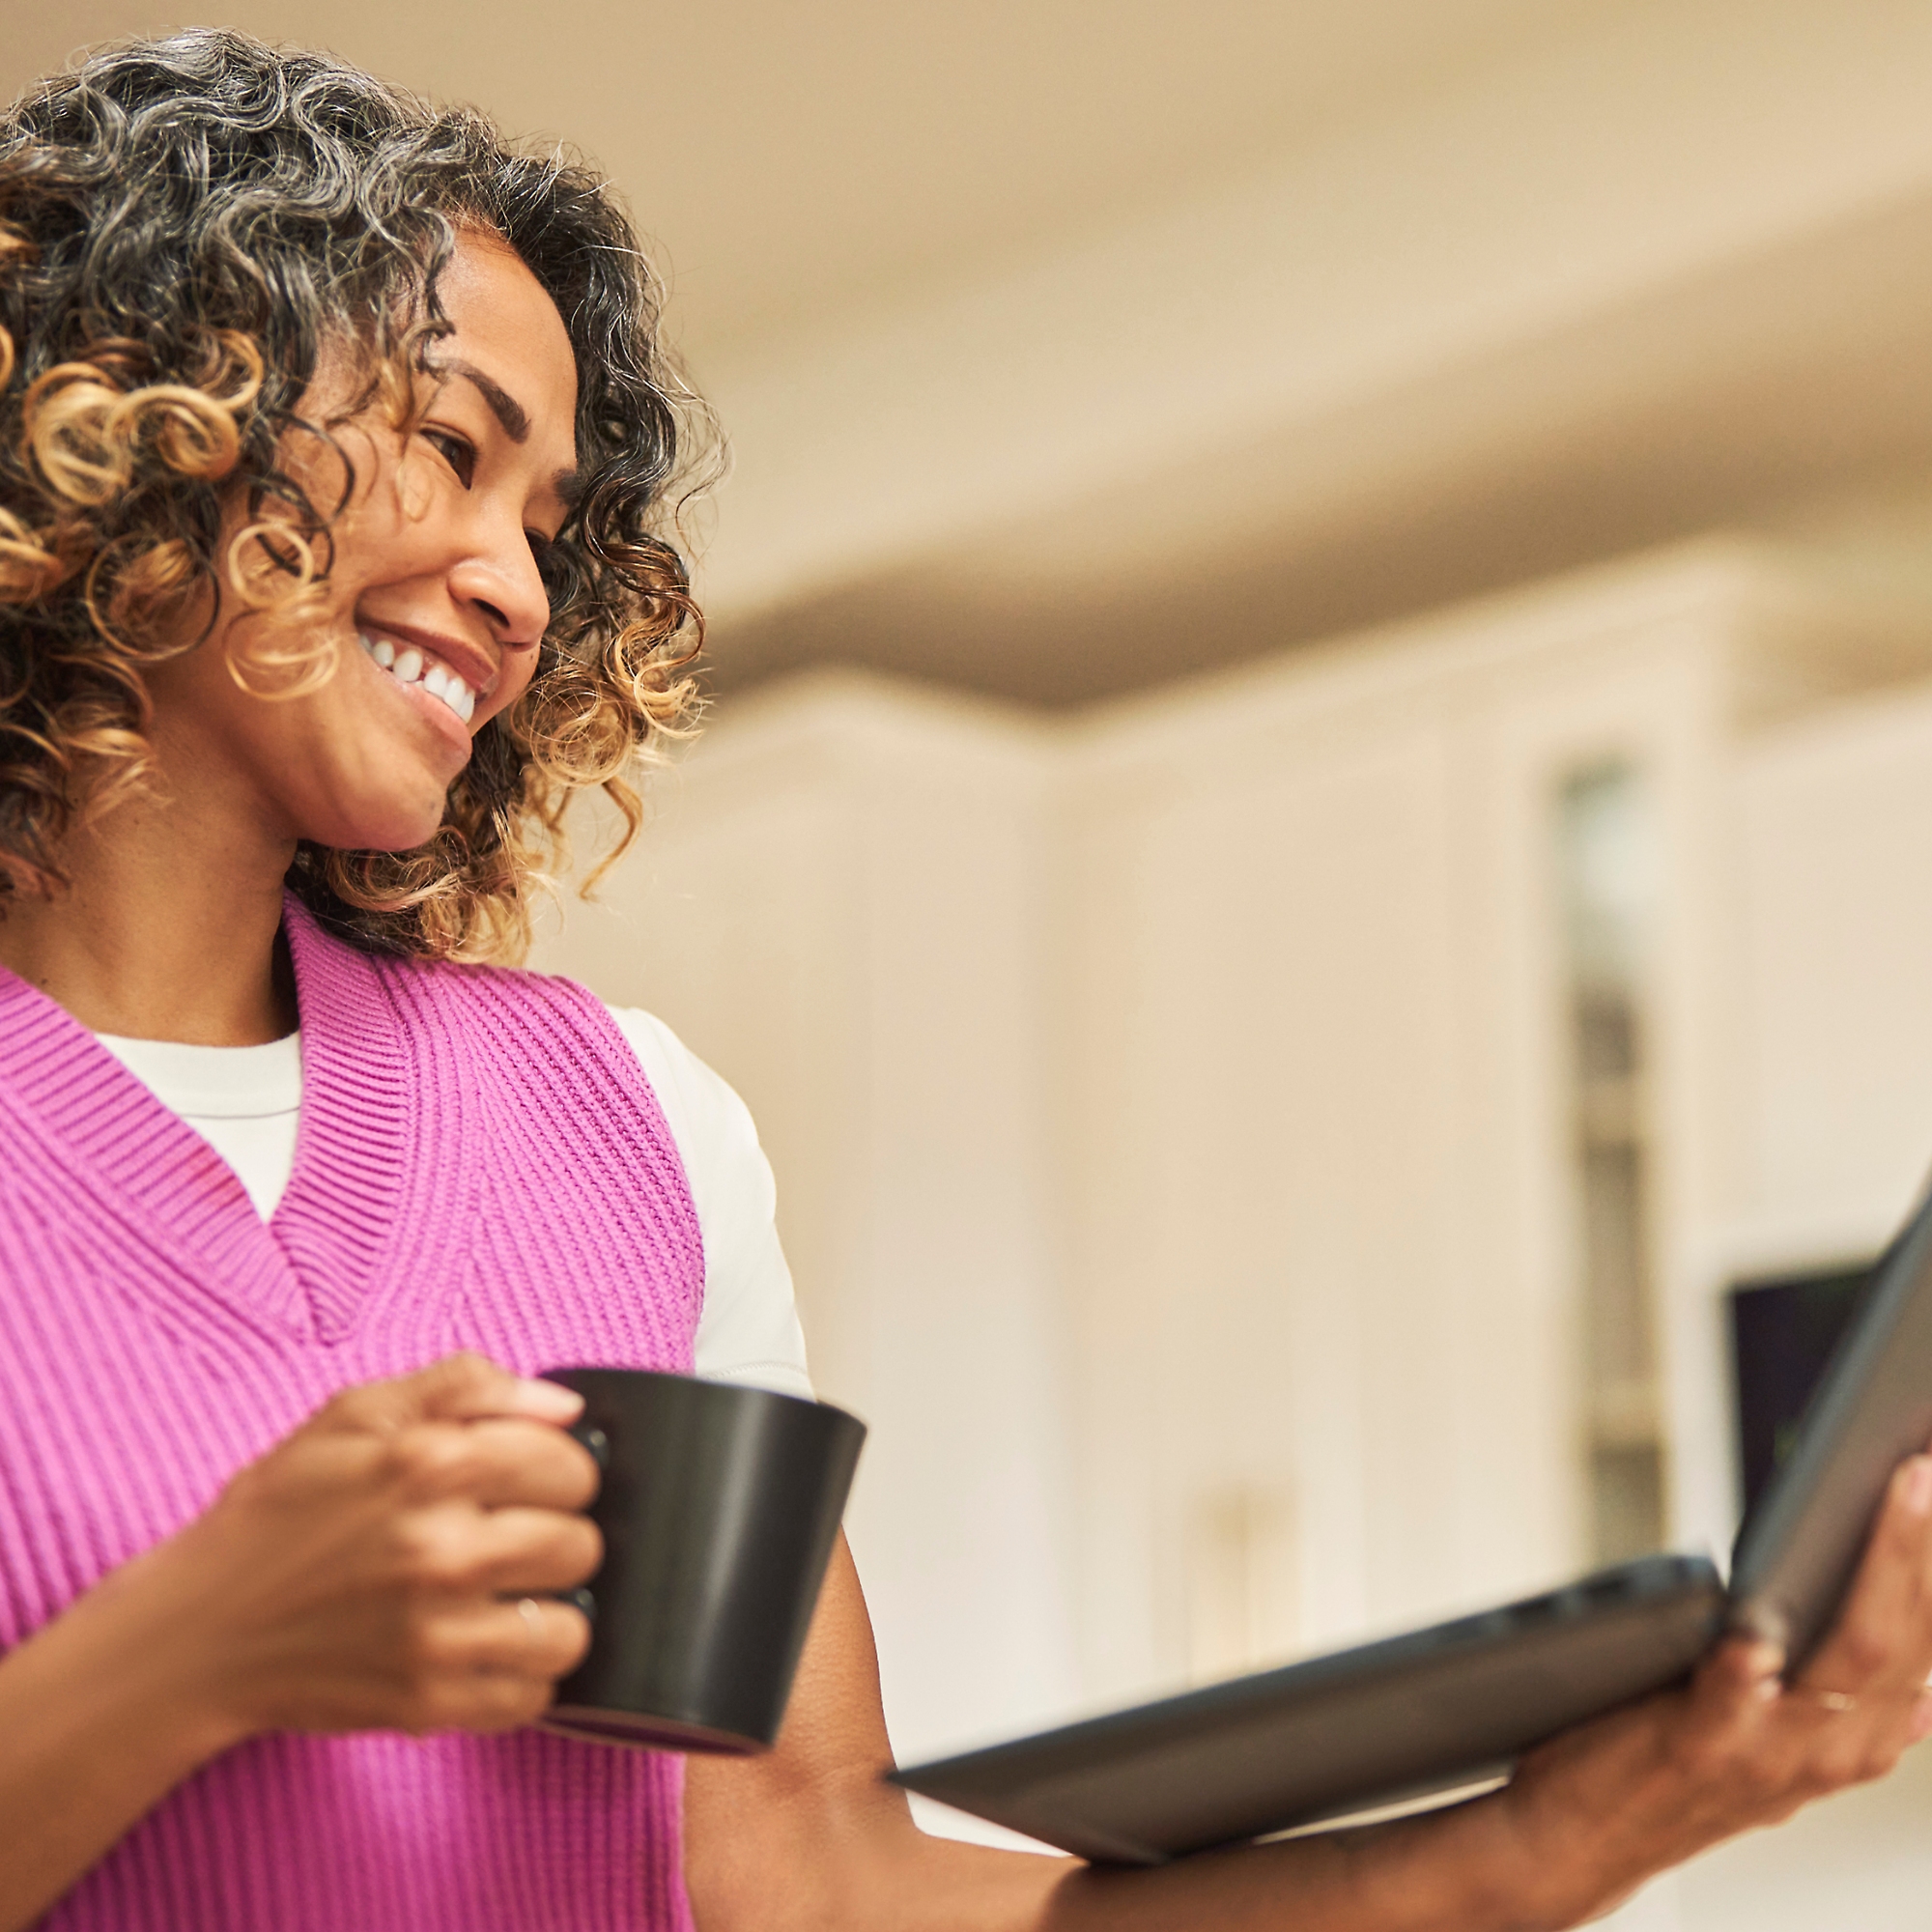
(481,1164)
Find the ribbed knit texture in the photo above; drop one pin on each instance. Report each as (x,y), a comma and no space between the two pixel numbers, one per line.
(481,1164)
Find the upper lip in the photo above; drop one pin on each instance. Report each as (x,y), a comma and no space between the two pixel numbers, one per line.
(471,662)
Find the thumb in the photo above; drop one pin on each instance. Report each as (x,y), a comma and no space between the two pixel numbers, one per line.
(464,1387)
(1739,1678)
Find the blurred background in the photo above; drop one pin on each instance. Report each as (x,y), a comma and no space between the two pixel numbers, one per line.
(1315,849)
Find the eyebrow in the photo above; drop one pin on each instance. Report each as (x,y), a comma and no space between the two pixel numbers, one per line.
(515,418)
(503,405)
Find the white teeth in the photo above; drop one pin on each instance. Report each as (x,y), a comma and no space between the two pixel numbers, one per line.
(412,667)
(450,688)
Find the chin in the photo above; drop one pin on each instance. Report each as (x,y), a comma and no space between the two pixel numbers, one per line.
(387,826)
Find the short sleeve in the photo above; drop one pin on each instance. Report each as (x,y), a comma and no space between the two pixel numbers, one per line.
(749,1330)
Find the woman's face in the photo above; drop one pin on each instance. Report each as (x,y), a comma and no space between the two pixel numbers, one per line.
(435,603)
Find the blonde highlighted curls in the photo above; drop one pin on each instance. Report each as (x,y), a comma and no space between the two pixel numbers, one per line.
(185,226)
(88,442)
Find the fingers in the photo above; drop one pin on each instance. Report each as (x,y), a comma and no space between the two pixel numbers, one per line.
(455,1548)
(472,1387)
(531,1636)
(534,1635)
(496,1462)
(516,1462)
(493,1666)
(480,1701)
(1881,1646)
(464,1387)
(520,1549)
(1861,1700)
(1734,1683)
(1721,1726)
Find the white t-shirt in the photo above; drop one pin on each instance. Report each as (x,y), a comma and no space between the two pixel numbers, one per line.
(245,1102)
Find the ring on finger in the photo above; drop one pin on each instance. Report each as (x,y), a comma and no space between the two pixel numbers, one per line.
(1836,1701)
(532,1612)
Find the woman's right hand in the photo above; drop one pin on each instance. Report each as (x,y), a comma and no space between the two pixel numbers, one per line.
(382,1566)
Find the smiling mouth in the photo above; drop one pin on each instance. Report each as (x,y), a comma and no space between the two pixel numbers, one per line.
(411,664)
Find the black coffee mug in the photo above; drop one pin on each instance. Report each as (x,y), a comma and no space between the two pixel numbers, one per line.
(720,1506)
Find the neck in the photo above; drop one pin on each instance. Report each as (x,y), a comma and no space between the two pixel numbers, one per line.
(169,926)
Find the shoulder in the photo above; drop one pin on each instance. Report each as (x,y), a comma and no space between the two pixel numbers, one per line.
(515,991)
(513,1016)
(539,1031)
(749,1332)
(703,1112)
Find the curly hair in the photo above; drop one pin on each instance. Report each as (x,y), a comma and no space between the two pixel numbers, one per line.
(185,226)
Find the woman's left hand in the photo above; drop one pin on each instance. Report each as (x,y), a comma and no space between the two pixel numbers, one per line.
(1605,1807)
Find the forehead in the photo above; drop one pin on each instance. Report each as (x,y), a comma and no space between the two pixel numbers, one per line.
(504,323)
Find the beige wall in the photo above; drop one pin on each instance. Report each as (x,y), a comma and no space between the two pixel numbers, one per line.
(1836,874)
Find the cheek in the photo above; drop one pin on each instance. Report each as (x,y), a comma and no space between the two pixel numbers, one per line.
(519,668)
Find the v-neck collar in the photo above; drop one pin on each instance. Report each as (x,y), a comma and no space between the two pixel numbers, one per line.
(381,1197)
(128,1154)
(373,1209)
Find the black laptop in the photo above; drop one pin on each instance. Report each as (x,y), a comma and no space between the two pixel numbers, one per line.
(1445,1709)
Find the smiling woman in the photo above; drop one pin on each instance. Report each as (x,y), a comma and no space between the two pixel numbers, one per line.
(252,305)
(334,446)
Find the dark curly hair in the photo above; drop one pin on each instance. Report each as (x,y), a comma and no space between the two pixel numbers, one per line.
(186,224)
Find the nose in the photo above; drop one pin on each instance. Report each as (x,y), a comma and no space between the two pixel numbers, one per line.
(499,580)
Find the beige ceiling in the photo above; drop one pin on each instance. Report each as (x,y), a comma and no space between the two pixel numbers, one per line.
(792,160)
(1772,394)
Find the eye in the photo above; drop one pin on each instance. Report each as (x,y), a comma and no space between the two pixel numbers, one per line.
(455,450)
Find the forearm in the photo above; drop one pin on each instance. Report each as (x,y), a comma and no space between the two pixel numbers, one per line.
(810,1840)
(1454,1867)
(99,1718)
(873,1871)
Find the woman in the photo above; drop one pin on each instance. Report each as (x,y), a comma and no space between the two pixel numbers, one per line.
(334,441)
